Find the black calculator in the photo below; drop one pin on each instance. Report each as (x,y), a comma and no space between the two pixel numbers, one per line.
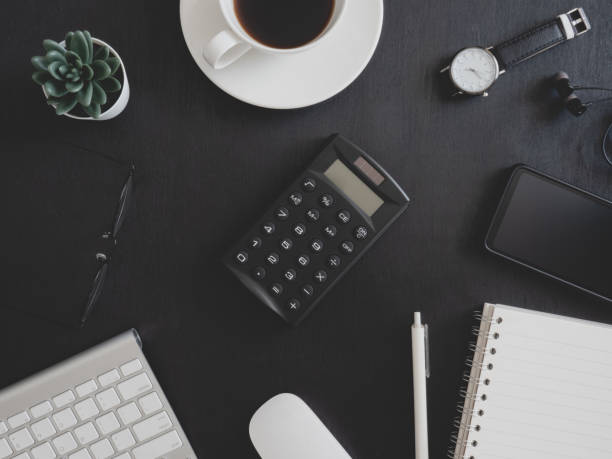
(317,229)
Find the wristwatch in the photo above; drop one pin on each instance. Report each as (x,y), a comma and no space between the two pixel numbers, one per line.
(473,70)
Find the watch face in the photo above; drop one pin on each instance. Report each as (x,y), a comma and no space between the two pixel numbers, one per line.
(474,70)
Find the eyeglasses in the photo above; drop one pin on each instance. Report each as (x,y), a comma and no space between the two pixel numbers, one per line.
(606,145)
(109,240)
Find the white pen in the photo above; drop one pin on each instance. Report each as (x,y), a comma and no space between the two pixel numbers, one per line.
(420,373)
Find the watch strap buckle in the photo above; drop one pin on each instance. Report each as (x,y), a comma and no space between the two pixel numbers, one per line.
(575,22)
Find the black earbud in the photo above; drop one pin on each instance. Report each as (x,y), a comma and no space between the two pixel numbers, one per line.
(567,92)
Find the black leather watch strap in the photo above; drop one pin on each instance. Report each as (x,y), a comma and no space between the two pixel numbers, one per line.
(545,36)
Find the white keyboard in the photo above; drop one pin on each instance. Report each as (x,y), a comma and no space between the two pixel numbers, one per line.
(102,403)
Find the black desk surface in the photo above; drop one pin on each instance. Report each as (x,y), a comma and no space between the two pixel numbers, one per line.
(208,165)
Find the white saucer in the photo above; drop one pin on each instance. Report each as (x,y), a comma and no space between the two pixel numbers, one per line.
(290,80)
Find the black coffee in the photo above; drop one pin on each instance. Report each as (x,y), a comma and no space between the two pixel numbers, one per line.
(284,23)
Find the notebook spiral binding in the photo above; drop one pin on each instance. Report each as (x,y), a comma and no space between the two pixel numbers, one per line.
(476,377)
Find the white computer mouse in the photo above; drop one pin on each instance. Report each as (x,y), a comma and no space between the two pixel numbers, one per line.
(286,428)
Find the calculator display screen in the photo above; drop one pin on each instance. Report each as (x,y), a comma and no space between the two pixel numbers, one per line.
(353,187)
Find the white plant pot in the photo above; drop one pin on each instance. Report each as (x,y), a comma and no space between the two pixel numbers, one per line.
(124,95)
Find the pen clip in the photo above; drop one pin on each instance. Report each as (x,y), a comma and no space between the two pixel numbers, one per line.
(427,366)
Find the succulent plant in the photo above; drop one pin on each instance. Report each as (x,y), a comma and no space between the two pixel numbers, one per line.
(76,73)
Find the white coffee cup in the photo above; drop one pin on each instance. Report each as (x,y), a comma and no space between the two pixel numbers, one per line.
(227,46)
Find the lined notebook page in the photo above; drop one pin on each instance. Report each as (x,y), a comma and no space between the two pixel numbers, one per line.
(549,391)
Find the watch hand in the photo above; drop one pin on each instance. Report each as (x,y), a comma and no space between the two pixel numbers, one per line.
(476,72)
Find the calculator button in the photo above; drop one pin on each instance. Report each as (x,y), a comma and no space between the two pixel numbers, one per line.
(273,258)
(290,274)
(312,215)
(293,304)
(259,273)
(347,247)
(286,243)
(326,200)
(242,257)
(320,276)
(299,229)
(303,260)
(344,216)
(295,198)
(282,213)
(268,228)
(316,245)
(361,232)
(333,261)
(309,184)
(276,289)
(330,231)
(255,243)
(307,290)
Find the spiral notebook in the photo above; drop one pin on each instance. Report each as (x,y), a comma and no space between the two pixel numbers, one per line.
(539,387)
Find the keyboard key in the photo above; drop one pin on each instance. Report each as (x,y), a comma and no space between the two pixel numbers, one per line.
(290,274)
(312,215)
(150,403)
(309,184)
(158,447)
(276,289)
(333,261)
(131,367)
(41,409)
(18,420)
(63,399)
(241,257)
(86,388)
(303,260)
(135,386)
(102,449)
(152,426)
(109,377)
(361,232)
(255,242)
(129,413)
(347,247)
(293,304)
(22,456)
(320,276)
(3,428)
(286,243)
(123,440)
(64,419)
(295,198)
(307,290)
(86,409)
(107,423)
(5,449)
(44,451)
(43,429)
(273,258)
(83,454)
(65,443)
(344,216)
(268,228)
(330,231)
(326,200)
(108,399)
(282,213)
(299,229)
(316,245)
(124,456)
(86,433)
(21,439)
(259,272)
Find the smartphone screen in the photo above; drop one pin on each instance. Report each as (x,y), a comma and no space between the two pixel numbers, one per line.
(556,229)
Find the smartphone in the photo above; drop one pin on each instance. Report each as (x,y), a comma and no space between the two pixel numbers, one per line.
(556,229)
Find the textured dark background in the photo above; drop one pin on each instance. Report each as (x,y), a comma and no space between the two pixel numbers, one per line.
(208,165)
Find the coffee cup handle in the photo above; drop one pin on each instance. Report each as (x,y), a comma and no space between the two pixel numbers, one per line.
(224,49)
